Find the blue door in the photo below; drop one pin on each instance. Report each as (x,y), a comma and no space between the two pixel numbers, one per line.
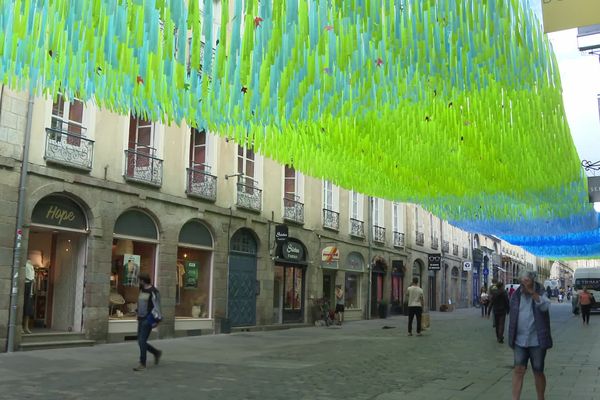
(241,301)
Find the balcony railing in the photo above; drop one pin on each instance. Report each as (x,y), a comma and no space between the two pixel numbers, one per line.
(201,183)
(143,167)
(445,246)
(419,238)
(249,196)
(435,244)
(455,249)
(465,252)
(69,149)
(357,228)
(331,219)
(293,209)
(378,234)
(398,239)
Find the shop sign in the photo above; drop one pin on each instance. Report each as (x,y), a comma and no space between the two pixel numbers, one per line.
(594,188)
(293,251)
(191,274)
(467,266)
(281,233)
(59,211)
(330,254)
(434,262)
(566,14)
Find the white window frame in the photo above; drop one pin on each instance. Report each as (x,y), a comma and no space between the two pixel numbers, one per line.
(298,184)
(378,216)
(398,217)
(87,119)
(357,206)
(335,196)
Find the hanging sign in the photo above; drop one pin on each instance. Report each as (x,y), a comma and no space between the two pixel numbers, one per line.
(566,14)
(467,266)
(191,274)
(594,188)
(281,233)
(434,262)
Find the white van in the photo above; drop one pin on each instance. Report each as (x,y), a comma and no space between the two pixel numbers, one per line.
(590,278)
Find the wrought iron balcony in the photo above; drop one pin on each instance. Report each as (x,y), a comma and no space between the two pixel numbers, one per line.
(293,209)
(445,246)
(249,196)
(465,252)
(455,249)
(201,183)
(143,167)
(419,238)
(435,244)
(331,219)
(69,149)
(357,228)
(398,239)
(378,234)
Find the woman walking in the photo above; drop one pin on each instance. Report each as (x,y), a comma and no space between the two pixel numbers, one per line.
(483,301)
(584,302)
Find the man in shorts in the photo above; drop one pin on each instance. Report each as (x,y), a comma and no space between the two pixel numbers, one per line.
(339,304)
(529,333)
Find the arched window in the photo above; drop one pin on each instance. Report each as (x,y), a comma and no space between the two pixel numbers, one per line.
(243,242)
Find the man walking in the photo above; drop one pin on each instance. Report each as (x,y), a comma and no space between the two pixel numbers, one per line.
(415,305)
(529,333)
(500,306)
(148,316)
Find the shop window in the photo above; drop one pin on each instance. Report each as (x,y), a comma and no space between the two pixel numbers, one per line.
(193,283)
(352,288)
(293,284)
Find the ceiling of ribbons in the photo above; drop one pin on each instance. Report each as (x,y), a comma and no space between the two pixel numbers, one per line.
(453,104)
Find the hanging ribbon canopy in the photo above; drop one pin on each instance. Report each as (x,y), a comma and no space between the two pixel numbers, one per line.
(455,104)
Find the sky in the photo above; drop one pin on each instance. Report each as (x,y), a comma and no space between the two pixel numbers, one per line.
(580,76)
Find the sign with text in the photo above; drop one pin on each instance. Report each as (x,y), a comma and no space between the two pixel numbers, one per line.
(59,211)
(281,233)
(594,188)
(330,254)
(467,266)
(191,274)
(566,14)
(434,262)
(292,251)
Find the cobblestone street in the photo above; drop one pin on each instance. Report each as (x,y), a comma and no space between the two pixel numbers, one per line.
(458,358)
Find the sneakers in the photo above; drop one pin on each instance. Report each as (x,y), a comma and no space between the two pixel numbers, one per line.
(419,334)
(157,357)
(409,334)
(140,367)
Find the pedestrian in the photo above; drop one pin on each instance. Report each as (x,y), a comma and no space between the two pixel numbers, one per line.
(491,293)
(500,307)
(511,291)
(584,302)
(483,301)
(148,316)
(339,304)
(529,333)
(415,300)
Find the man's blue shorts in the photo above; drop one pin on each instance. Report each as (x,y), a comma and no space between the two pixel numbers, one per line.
(536,354)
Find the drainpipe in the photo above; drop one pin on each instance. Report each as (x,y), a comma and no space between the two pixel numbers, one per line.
(370,256)
(12,311)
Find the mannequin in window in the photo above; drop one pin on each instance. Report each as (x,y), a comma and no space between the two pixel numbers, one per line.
(28,296)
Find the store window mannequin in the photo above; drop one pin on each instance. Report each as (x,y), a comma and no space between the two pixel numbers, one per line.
(28,294)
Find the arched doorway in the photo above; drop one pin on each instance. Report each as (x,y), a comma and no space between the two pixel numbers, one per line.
(289,282)
(378,272)
(134,250)
(242,284)
(194,271)
(56,259)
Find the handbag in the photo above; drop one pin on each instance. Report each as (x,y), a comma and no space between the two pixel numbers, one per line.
(153,322)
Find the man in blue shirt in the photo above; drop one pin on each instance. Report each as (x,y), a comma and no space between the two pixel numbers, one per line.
(529,333)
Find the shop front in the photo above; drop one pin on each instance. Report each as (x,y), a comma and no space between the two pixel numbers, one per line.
(397,287)
(378,272)
(134,250)
(348,273)
(193,288)
(55,267)
(289,282)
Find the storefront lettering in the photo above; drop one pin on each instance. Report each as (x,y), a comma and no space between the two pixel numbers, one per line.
(59,215)
(293,249)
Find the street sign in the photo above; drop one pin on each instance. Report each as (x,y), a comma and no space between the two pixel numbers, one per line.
(467,266)
(434,262)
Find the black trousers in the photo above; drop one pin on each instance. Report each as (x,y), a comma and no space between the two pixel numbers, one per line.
(412,312)
(500,320)
(585,313)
